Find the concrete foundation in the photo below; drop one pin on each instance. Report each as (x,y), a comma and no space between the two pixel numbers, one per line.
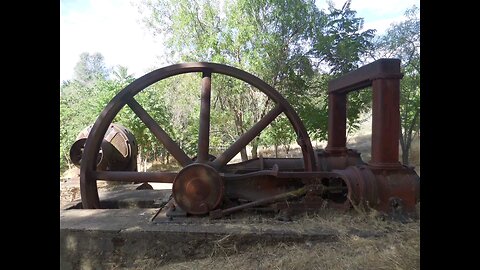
(123,234)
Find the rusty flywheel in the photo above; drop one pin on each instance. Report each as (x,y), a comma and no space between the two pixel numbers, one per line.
(199,187)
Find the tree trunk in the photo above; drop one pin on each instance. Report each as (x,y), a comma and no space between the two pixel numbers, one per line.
(67,158)
(405,149)
(405,156)
(239,127)
(406,143)
(243,154)
(287,148)
(276,151)
(406,138)
(255,148)
(139,159)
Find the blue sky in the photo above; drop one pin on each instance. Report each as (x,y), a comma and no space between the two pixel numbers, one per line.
(113,28)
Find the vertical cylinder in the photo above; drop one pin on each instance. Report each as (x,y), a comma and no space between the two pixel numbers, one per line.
(337,123)
(385,122)
(204,128)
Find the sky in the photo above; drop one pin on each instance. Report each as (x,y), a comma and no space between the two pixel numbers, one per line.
(114,29)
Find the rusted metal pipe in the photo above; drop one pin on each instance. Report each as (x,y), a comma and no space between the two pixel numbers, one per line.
(385,122)
(337,123)
(284,196)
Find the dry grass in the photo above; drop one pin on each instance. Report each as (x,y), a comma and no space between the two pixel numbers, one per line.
(364,242)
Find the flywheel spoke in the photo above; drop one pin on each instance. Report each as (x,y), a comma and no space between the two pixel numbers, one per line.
(247,137)
(159,133)
(204,129)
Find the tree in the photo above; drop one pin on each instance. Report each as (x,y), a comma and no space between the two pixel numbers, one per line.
(121,74)
(402,40)
(77,111)
(279,133)
(341,44)
(152,99)
(80,105)
(344,47)
(280,42)
(89,68)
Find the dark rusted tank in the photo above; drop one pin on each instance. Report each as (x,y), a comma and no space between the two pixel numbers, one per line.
(118,151)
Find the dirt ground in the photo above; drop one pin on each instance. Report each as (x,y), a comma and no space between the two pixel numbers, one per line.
(366,240)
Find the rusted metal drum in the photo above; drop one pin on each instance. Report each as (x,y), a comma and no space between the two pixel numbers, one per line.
(362,185)
(118,150)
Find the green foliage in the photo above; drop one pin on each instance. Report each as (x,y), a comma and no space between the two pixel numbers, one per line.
(284,43)
(77,111)
(90,68)
(281,42)
(341,43)
(180,96)
(279,133)
(80,106)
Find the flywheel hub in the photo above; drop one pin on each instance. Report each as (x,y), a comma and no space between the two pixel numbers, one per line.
(198,189)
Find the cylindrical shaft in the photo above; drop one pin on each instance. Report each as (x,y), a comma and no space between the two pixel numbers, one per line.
(272,199)
(337,123)
(204,129)
(385,122)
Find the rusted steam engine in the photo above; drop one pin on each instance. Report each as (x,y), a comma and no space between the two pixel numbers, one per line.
(334,177)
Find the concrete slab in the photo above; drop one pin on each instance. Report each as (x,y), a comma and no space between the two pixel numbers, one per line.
(96,238)
(126,196)
(160,186)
